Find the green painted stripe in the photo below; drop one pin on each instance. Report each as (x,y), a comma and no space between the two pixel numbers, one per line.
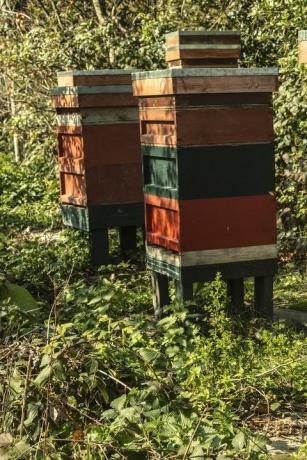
(302,35)
(159,151)
(202,32)
(210,172)
(98,116)
(202,46)
(75,90)
(161,172)
(205,72)
(89,73)
(108,215)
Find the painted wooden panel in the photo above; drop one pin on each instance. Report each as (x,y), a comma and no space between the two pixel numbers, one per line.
(302,52)
(219,223)
(202,100)
(93,100)
(73,188)
(202,53)
(217,62)
(212,126)
(108,215)
(102,145)
(204,37)
(209,172)
(70,145)
(229,271)
(111,184)
(114,184)
(213,256)
(94,78)
(97,116)
(225,125)
(204,80)
(162,226)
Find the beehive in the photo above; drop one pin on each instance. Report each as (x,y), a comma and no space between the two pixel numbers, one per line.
(99,154)
(302,47)
(208,162)
(203,48)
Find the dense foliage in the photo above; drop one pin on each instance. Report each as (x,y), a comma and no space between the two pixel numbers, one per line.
(85,372)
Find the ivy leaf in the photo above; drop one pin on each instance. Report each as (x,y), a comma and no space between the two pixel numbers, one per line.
(238,441)
(32,412)
(149,355)
(19,296)
(43,376)
(118,403)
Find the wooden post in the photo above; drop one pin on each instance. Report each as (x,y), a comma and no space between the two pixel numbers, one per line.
(235,294)
(99,247)
(184,291)
(160,292)
(127,238)
(264,296)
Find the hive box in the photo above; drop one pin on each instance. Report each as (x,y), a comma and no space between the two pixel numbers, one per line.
(203,48)
(208,162)
(99,151)
(302,47)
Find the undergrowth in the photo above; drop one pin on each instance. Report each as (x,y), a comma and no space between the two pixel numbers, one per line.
(86,373)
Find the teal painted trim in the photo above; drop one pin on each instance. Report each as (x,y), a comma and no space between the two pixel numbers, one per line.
(206,72)
(162,267)
(165,192)
(202,32)
(202,46)
(302,35)
(88,73)
(159,151)
(75,217)
(75,90)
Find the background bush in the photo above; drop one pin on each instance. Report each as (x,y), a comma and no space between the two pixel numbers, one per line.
(38,38)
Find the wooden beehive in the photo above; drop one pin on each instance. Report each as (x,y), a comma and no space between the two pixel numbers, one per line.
(302,47)
(99,149)
(203,48)
(208,162)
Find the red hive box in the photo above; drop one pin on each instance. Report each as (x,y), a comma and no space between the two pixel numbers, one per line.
(208,162)
(99,155)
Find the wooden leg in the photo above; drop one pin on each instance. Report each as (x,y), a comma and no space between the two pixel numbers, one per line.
(264,296)
(159,292)
(99,247)
(127,238)
(184,291)
(235,294)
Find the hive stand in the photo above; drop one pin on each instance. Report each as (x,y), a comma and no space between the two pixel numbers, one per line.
(208,165)
(99,157)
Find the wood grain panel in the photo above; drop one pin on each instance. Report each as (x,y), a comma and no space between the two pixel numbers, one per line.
(94,100)
(225,125)
(302,52)
(201,53)
(219,223)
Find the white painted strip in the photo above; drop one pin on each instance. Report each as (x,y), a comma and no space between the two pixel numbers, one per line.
(213,256)
(99,116)
(203,47)
(89,73)
(109,89)
(202,32)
